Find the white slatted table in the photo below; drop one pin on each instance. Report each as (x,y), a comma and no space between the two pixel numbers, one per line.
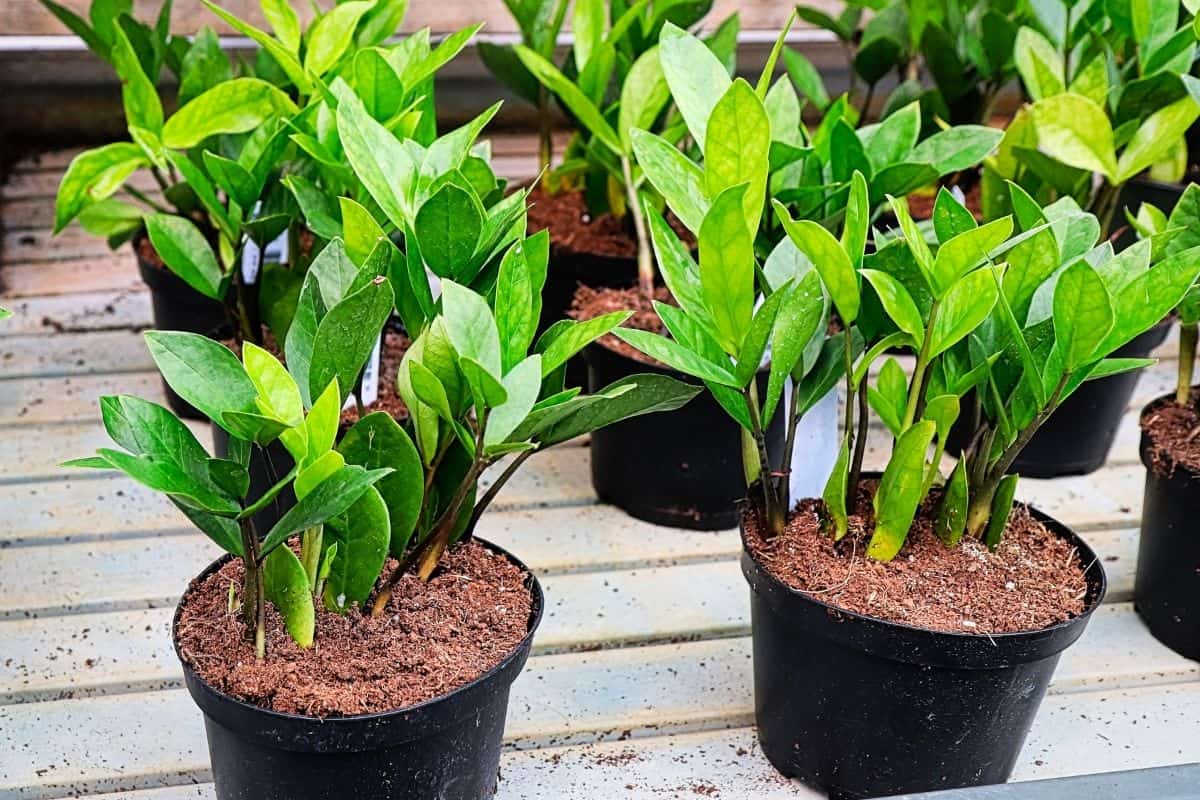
(640,683)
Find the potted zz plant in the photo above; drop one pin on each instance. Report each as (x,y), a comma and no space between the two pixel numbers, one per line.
(1167,587)
(938,587)
(318,649)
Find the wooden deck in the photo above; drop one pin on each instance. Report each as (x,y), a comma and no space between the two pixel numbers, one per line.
(640,685)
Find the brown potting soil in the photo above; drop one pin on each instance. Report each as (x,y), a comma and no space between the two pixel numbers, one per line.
(1032,580)
(574,231)
(590,303)
(395,345)
(433,638)
(1174,434)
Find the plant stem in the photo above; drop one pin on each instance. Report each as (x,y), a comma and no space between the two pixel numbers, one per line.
(1187,358)
(142,196)
(644,256)
(866,106)
(915,389)
(545,143)
(311,544)
(253,593)
(789,444)
(482,504)
(860,443)
(772,508)
(851,486)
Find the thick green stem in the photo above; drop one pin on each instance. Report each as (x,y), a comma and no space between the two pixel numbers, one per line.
(860,443)
(645,259)
(851,485)
(917,386)
(776,515)
(482,504)
(311,544)
(1187,360)
(789,446)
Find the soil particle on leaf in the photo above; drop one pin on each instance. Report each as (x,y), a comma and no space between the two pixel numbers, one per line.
(590,303)
(1032,580)
(433,638)
(1174,434)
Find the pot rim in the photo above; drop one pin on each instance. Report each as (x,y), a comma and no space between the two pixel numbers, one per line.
(1094,574)
(1145,444)
(519,651)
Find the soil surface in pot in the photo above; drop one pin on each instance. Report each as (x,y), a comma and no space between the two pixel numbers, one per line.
(1034,579)
(920,204)
(434,638)
(1174,434)
(574,231)
(590,303)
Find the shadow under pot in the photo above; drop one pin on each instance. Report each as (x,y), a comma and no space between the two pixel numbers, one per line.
(682,469)
(1077,437)
(176,306)
(859,707)
(267,466)
(447,747)
(1166,590)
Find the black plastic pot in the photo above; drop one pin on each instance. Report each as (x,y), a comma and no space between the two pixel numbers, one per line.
(859,707)
(1166,591)
(564,274)
(682,469)
(1077,437)
(267,467)
(178,307)
(448,747)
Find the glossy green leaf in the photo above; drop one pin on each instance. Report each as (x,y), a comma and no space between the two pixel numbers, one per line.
(448,226)
(966,251)
(1083,314)
(1156,136)
(92,176)
(286,586)
(235,106)
(471,327)
(572,97)
(183,248)
(676,356)
(676,177)
(377,441)
(900,491)
(379,159)
(347,334)
(957,148)
(567,337)
(1039,63)
(521,385)
(331,34)
(331,497)
(518,297)
(143,108)
(800,317)
(831,261)
(278,395)
(897,302)
(727,267)
(696,76)
(894,138)
(740,154)
(629,397)
(283,20)
(643,95)
(1076,131)
(807,78)
(952,511)
(362,535)
(962,309)
(834,494)
(1002,503)
(278,51)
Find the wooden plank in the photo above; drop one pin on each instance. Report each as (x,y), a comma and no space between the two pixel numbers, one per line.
(76,313)
(1073,733)
(31,179)
(115,271)
(85,577)
(40,245)
(73,398)
(99,654)
(56,355)
(27,213)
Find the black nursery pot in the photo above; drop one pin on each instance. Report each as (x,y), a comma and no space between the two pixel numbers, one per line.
(1077,437)
(564,274)
(1166,590)
(178,307)
(267,467)
(447,747)
(682,469)
(858,707)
